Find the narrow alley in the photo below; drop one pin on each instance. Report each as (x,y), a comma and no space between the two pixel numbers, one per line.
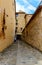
(20,31)
(20,53)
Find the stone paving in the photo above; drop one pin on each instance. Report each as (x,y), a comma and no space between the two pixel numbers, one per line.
(20,53)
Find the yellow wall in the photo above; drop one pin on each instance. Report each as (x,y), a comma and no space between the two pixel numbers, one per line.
(33,32)
(8,38)
(28,17)
(23,19)
(21,22)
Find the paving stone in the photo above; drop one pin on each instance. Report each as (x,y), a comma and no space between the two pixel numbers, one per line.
(20,53)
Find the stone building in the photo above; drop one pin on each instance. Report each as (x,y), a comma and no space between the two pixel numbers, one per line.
(27,18)
(20,22)
(7,23)
(32,32)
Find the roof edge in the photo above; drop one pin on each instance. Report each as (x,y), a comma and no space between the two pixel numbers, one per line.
(38,9)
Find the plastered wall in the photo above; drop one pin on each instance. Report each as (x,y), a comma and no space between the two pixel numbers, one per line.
(21,23)
(9,27)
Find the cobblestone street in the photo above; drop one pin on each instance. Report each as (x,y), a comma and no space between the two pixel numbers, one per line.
(20,53)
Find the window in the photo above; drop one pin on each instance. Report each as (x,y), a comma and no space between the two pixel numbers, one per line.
(21,28)
(16,31)
(16,23)
(16,27)
(16,20)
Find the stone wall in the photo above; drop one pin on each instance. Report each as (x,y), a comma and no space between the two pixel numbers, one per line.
(33,32)
(28,17)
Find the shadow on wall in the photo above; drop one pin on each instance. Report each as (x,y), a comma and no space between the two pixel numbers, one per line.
(2,26)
